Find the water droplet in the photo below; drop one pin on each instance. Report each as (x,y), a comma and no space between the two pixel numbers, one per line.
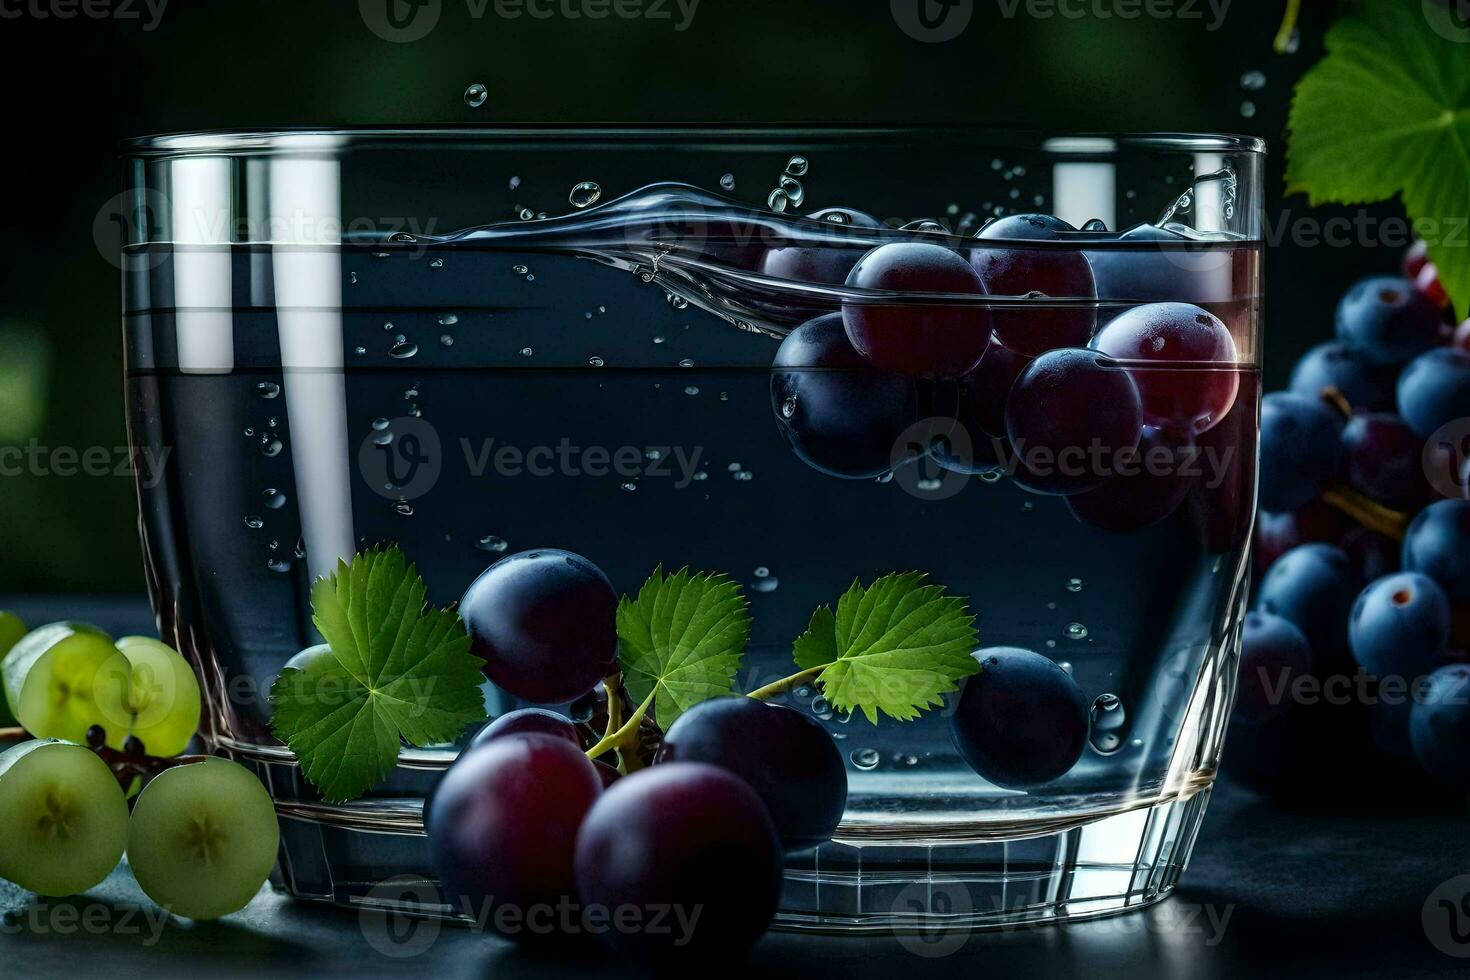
(1076,631)
(795,193)
(402,349)
(701,476)
(359,351)
(270,447)
(254,523)
(1074,585)
(352,279)
(383,438)
(734,467)
(403,508)
(865,759)
(475,95)
(765,583)
(728,182)
(381,424)
(821,707)
(1066,665)
(492,543)
(274,499)
(596,361)
(526,352)
(686,363)
(678,302)
(885,477)
(797,166)
(1095,225)
(1294,41)
(628,487)
(691,389)
(448,319)
(1253,81)
(279,565)
(1027,507)
(929,484)
(445,340)
(745,476)
(515,182)
(1108,718)
(658,340)
(526,214)
(788,407)
(585,194)
(436,263)
(267,389)
(777,201)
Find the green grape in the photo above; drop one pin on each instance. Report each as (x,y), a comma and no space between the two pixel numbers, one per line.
(11,630)
(203,838)
(64,678)
(63,817)
(163,696)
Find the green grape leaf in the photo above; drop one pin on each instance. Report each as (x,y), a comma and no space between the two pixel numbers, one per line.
(1387,112)
(396,672)
(681,640)
(895,647)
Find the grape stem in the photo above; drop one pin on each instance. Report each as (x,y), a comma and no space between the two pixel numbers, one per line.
(626,736)
(787,683)
(1282,43)
(1372,515)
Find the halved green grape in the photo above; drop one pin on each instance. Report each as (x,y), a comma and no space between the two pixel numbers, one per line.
(203,838)
(63,821)
(64,678)
(11,630)
(163,696)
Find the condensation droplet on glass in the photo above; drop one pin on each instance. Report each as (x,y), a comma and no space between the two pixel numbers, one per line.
(1076,631)
(658,340)
(403,508)
(380,424)
(271,447)
(797,166)
(728,182)
(436,263)
(701,476)
(596,361)
(279,565)
(678,302)
(445,340)
(254,523)
(448,319)
(267,389)
(492,543)
(765,583)
(865,758)
(687,363)
(475,95)
(885,477)
(274,499)
(402,349)
(734,467)
(821,707)
(526,352)
(1074,585)
(585,194)
(691,390)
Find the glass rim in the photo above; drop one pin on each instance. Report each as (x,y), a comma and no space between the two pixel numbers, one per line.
(313,140)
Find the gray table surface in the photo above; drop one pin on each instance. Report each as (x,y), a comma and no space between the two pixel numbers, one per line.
(1325,890)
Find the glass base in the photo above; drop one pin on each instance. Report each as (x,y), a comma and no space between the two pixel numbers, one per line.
(374,855)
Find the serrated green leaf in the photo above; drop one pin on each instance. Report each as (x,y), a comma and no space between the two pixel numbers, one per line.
(396,672)
(895,647)
(681,640)
(1387,112)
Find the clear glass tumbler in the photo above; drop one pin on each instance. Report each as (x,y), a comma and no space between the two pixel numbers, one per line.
(336,335)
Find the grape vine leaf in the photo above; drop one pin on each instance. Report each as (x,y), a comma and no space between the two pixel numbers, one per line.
(896,647)
(396,672)
(681,639)
(1387,112)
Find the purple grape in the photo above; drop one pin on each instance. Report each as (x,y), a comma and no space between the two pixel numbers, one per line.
(528,721)
(1313,586)
(920,338)
(1036,272)
(1193,400)
(1387,320)
(1071,416)
(840,414)
(1301,450)
(1368,387)
(1273,654)
(786,756)
(1271,739)
(1276,534)
(689,839)
(1021,721)
(606,773)
(981,410)
(544,623)
(1434,390)
(1221,504)
(1384,461)
(1438,544)
(503,824)
(1439,726)
(1155,485)
(1400,626)
(827,264)
(1373,555)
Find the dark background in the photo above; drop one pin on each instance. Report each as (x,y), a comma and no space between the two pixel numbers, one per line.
(76,86)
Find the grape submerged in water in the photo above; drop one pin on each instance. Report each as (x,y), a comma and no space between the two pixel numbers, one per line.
(1021,721)
(1038,273)
(838,412)
(1191,400)
(786,756)
(828,264)
(932,338)
(528,721)
(688,837)
(544,622)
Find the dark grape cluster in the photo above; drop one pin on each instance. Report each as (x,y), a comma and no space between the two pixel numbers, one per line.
(1364,542)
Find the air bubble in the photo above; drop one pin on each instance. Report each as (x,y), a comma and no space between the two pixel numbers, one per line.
(475,95)
(1095,225)
(274,499)
(1074,585)
(526,214)
(1248,109)
(797,166)
(628,487)
(691,389)
(526,352)
(596,361)
(745,476)
(267,389)
(686,363)
(1253,81)
(279,565)
(1107,717)
(788,407)
(585,194)
(254,523)
(492,543)
(678,302)
(777,201)
(1076,631)
(865,759)
(403,508)
(793,190)
(270,447)
(728,182)
(445,340)
(402,349)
